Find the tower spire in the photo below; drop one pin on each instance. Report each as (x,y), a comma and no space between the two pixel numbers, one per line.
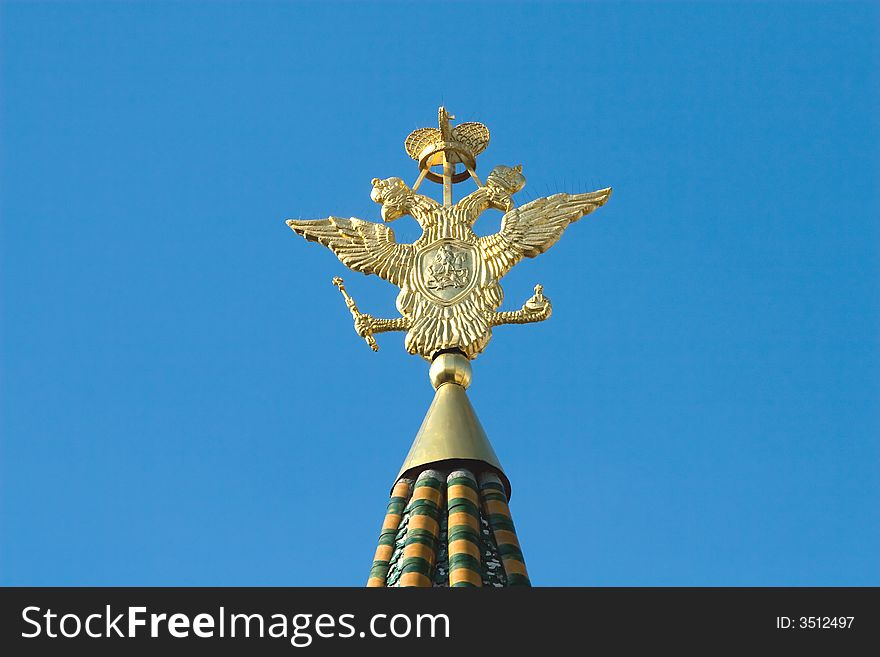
(451,433)
(448,522)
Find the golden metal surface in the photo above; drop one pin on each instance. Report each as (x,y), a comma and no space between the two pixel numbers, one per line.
(449,277)
(355,313)
(451,432)
(447,146)
(450,367)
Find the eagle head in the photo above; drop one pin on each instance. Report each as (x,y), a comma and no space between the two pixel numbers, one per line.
(393,195)
(503,182)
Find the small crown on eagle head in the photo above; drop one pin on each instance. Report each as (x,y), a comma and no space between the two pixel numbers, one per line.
(454,144)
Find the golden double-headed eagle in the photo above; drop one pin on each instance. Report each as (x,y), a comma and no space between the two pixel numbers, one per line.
(449,278)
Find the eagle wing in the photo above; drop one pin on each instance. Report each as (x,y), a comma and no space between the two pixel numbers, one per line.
(533,228)
(363,246)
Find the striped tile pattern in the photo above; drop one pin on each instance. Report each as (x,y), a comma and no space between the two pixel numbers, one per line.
(463,507)
(399,498)
(421,537)
(448,529)
(498,514)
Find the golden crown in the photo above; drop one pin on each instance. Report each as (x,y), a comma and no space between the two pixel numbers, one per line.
(459,144)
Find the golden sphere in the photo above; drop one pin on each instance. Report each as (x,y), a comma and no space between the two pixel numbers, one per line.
(450,368)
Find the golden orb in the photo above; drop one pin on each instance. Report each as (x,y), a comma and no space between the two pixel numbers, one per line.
(450,367)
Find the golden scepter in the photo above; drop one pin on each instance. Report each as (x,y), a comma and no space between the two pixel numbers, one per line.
(352,306)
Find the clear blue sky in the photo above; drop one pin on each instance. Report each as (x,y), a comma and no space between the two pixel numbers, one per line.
(184,400)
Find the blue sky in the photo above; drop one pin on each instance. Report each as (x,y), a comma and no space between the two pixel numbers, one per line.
(184,401)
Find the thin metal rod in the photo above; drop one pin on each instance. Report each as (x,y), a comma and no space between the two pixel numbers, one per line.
(473,175)
(422,175)
(448,172)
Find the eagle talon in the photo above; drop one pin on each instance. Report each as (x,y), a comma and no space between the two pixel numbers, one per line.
(536,309)
(363,325)
(538,304)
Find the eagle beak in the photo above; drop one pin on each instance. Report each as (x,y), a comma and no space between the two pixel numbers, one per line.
(389,214)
